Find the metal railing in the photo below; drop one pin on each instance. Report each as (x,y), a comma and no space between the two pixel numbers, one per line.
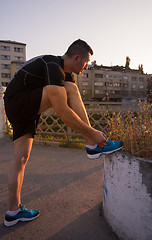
(50,126)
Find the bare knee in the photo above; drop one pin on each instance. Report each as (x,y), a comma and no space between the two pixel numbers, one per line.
(22,150)
(20,160)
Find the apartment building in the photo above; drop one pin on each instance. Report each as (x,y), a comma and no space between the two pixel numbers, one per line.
(12,56)
(112,83)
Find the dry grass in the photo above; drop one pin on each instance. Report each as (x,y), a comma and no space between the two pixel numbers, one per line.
(135,129)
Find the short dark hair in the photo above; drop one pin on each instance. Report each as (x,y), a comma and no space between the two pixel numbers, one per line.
(79,47)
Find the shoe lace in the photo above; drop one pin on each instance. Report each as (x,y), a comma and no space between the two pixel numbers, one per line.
(22,207)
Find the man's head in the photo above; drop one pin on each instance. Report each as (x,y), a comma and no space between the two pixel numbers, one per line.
(79,47)
(79,52)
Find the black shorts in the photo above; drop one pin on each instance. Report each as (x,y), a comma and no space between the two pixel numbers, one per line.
(22,99)
(22,111)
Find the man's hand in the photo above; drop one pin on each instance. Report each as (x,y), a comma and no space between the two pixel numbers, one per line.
(97,137)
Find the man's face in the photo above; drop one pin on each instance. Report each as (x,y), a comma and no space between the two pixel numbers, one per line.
(81,63)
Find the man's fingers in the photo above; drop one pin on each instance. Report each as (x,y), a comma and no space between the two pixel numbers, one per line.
(104,135)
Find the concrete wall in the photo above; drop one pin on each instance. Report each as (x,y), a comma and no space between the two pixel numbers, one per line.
(127,195)
(2,121)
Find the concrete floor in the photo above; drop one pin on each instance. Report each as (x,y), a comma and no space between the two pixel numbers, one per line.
(67,189)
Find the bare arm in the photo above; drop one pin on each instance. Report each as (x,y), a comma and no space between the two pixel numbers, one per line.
(58,99)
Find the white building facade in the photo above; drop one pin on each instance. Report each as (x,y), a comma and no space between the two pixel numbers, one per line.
(112,83)
(12,56)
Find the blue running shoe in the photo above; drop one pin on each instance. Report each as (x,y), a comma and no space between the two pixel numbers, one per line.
(112,146)
(23,215)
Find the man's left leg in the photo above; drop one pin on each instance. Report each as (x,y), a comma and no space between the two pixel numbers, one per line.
(75,102)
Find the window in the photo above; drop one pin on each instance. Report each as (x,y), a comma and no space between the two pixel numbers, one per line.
(5,75)
(141,86)
(115,84)
(134,78)
(125,85)
(19,59)
(85,75)
(98,91)
(108,84)
(133,85)
(84,92)
(5,48)
(141,79)
(116,92)
(97,75)
(5,66)
(98,84)
(125,78)
(5,57)
(108,76)
(16,49)
(119,77)
(85,83)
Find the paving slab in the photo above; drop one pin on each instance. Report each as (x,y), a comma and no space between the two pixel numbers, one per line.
(67,189)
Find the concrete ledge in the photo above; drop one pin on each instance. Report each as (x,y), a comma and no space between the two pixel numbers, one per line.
(127,195)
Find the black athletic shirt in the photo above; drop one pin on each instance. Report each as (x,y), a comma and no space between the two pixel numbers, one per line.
(39,72)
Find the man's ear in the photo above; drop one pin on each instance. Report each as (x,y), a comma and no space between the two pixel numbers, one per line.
(76,58)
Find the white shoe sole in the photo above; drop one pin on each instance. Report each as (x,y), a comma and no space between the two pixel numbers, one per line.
(97,155)
(12,223)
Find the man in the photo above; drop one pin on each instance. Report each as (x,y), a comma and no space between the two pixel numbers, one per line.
(44,82)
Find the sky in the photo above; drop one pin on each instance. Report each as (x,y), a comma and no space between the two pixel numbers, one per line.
(113,28)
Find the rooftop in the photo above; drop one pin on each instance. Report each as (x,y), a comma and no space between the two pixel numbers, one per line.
(11,42)
(113,68)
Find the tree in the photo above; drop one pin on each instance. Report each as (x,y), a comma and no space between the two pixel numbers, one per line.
(94,63)
(127,63)
(140,68)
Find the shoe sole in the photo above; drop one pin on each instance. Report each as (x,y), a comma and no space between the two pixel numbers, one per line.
(97,155)
(12,223)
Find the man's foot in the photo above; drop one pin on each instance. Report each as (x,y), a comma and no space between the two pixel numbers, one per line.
(23,215)
(112,146)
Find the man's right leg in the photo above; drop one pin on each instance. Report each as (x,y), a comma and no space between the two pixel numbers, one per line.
(17,212)
(22,149)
